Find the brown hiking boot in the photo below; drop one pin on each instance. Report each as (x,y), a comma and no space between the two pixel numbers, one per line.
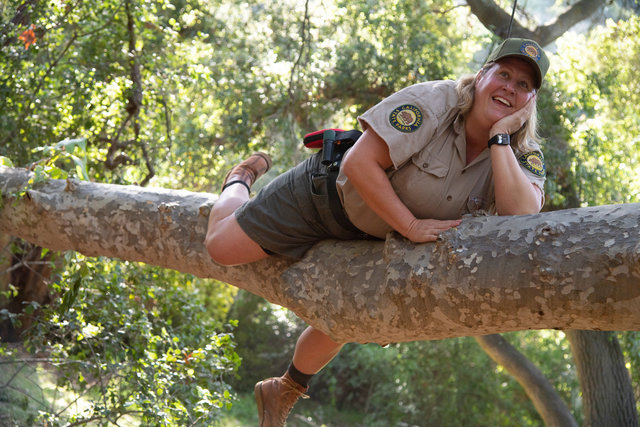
(275,398)
(248,171)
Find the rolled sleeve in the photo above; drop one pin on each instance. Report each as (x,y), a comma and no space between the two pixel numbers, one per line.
(410,118)
(533,166)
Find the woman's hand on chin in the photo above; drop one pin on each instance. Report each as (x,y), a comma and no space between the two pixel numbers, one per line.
(513,122)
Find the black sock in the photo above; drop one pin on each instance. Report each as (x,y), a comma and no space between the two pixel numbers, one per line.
(299,377)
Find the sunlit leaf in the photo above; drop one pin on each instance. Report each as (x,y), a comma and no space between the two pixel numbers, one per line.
(81,167)
(5,161)
(69,145)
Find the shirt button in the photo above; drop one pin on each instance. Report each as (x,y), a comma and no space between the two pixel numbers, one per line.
(449,198)
(425,165)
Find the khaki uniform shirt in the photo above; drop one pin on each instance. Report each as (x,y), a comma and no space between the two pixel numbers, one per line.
(425,134)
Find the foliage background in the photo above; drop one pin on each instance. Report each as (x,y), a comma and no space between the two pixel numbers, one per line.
(221,78)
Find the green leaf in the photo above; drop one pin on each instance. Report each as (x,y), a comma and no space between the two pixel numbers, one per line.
(81,167)
(70,296)
(69,145)
(5,161)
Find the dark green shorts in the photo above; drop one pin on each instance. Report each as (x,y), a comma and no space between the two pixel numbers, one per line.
(291,213)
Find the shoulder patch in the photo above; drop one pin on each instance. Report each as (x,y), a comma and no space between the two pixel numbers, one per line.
(406,118)
(534,163)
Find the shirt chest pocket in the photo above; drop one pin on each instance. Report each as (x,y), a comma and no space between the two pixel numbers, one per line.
(428,163)
(422,185)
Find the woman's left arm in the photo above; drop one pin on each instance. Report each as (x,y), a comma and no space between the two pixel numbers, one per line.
(515,194)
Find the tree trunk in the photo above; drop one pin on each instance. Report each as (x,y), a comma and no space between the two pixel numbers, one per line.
(606,387)
(28,270)
(549,404)
(576,268)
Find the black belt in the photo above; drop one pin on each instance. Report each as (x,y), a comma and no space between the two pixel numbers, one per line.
(335,143)
(334,199)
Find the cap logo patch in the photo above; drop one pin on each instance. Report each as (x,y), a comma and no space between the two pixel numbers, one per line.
(406,118)
(534,163)
(531,50)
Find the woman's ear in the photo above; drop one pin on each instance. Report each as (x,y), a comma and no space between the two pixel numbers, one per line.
(480,74)
(478,77)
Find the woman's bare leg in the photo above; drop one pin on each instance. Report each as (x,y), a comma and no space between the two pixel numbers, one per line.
(226,242)
(314,350)
(276,396)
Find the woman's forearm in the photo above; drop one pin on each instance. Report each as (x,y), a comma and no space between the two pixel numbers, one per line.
(515,194)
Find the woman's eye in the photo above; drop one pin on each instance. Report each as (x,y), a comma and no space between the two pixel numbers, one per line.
(504,74)
(524,85)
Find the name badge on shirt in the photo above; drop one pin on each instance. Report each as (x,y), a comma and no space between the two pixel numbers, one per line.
(406,118)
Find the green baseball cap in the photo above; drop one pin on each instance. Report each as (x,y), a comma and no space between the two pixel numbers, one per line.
(526,49)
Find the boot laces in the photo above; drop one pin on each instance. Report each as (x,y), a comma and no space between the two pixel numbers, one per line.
(290,396)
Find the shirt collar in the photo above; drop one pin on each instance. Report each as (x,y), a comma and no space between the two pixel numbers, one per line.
(458,124)
(461,142)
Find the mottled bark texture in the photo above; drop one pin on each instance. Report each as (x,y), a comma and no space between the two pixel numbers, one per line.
(547,401)
(576,268)
(606,387)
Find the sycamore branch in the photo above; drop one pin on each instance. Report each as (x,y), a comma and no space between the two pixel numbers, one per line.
(576,269)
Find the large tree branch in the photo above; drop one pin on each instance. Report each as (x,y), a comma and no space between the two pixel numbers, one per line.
(575,269)
(496,20)
(550,406)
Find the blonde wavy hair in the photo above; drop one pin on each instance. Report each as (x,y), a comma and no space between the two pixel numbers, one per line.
(522,139)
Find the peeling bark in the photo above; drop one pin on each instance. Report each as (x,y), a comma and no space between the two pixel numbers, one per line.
(571,269)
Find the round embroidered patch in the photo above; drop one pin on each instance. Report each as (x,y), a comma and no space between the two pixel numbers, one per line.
(534,163)
(406,118)
(531,50)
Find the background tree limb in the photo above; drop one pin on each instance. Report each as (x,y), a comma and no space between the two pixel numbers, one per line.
(553,411)
(496,19)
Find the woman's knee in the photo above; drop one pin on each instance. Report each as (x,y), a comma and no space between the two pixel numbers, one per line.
(228,245)
(219,240)
(217,249)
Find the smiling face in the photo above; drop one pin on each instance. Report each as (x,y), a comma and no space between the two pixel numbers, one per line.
(503,89)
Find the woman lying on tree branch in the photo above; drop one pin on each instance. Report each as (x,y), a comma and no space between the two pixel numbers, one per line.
(429,154)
